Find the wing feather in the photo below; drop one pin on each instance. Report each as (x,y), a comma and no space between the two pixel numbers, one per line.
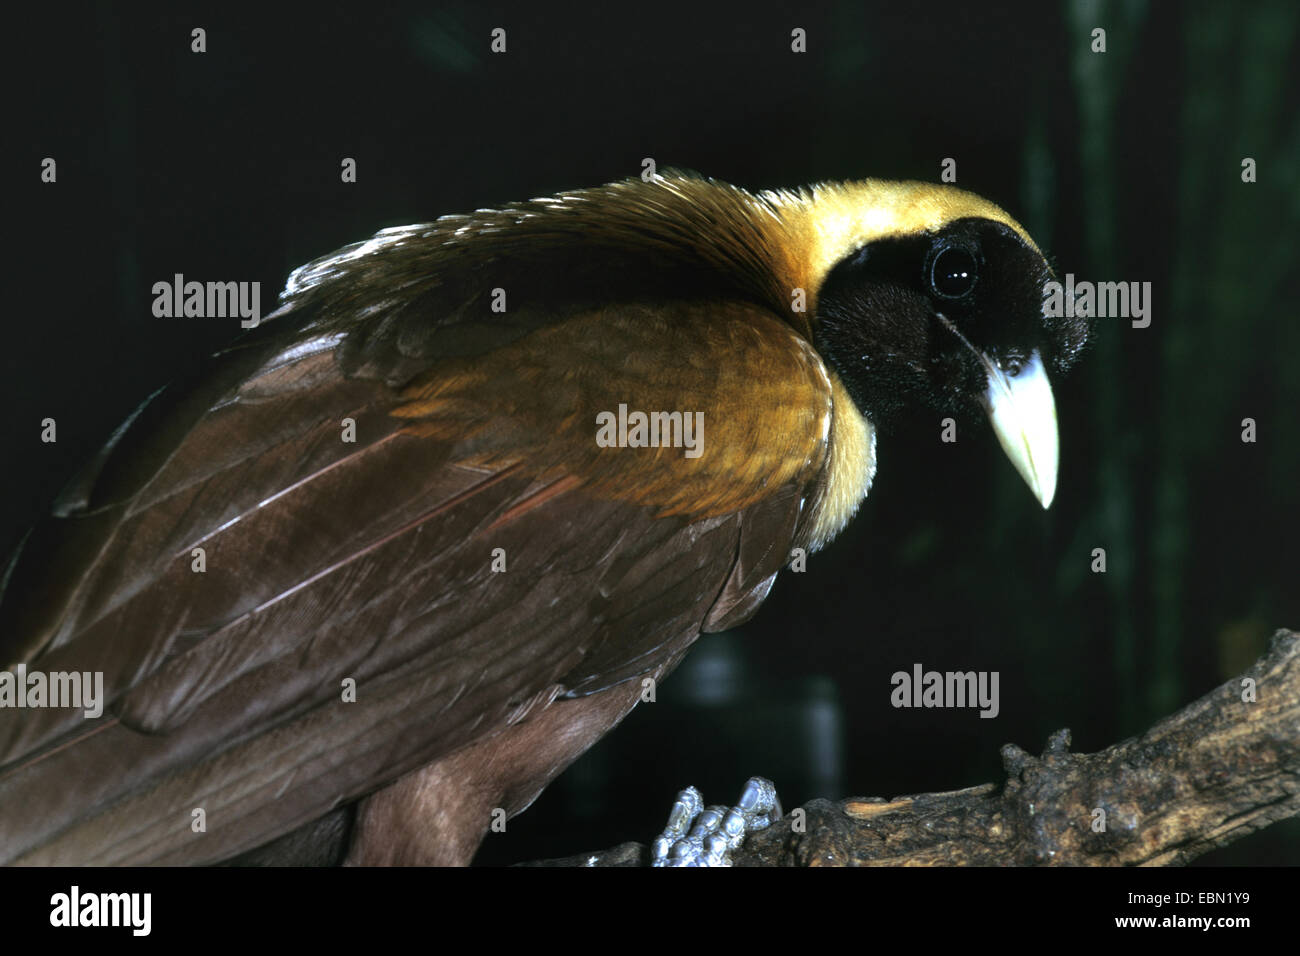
(328,560)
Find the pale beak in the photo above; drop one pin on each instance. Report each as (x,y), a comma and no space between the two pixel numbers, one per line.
(1023,415)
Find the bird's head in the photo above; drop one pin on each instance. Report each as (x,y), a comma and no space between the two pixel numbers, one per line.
(933,297)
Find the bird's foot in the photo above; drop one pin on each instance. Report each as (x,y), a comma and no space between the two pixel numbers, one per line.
(699,837)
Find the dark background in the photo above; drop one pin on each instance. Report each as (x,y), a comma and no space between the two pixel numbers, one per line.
(1124,166)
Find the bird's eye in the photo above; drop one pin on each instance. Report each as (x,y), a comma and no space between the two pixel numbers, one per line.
(953,273)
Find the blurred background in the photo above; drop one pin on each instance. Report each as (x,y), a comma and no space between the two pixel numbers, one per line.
(1124,165)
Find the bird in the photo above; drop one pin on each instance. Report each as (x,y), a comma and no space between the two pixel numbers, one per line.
(395,558)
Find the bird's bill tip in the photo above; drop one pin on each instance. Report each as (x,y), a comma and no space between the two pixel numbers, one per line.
(1023,414)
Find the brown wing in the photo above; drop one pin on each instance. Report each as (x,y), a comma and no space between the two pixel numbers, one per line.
(373,561)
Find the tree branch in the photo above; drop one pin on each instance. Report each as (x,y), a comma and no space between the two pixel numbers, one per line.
(1221,768)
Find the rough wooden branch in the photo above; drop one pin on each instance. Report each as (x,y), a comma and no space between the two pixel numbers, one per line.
(1221,768)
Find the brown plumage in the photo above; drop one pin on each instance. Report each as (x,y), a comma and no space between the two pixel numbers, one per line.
(373,560)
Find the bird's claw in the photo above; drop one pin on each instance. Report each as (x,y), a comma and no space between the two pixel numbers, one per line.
(716,832)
